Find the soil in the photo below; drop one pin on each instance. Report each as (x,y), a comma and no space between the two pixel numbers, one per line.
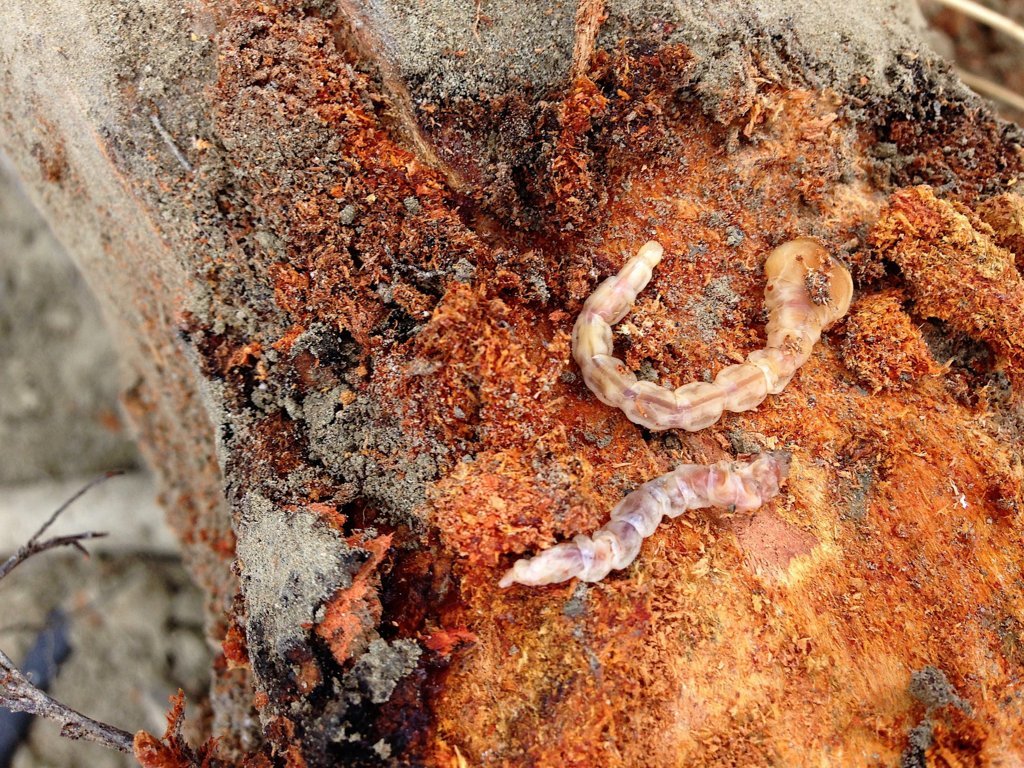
(136,634)
(60,379)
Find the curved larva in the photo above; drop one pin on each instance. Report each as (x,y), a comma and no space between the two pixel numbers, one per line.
(737,485)
(807,290)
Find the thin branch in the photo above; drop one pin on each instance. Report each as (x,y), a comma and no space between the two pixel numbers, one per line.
(19,694)
(992,90)
(986,16)
(35,546)
(74,497)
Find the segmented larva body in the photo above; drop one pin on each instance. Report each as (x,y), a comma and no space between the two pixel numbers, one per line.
(737,485)
(807,290)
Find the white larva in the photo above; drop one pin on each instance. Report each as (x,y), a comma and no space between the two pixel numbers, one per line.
(736,485)
(807,290)
(797,318)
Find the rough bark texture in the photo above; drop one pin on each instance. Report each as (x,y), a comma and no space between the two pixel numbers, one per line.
(344,244)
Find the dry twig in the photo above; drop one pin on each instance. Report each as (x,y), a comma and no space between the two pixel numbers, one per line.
(34,546)
(1004,24)
(987,16)
(992,90)
(17,692)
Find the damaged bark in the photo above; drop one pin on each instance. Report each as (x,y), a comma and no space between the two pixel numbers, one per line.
(343,246)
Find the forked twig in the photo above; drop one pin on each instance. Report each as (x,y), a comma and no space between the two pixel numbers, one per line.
(17,692)
(34,546)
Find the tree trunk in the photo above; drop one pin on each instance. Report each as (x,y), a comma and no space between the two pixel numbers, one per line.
(343,245)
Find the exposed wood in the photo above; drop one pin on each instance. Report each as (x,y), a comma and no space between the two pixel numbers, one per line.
(344,246)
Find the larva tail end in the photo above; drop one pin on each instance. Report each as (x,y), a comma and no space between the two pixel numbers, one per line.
(651,252)
(559,563)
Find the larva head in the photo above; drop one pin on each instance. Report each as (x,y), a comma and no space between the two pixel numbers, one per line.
(651,253)
(805,262)
(769,471)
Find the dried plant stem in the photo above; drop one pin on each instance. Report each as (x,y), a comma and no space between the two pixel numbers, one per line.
(986,16)
(992,90)
(34,546)
(19,694)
